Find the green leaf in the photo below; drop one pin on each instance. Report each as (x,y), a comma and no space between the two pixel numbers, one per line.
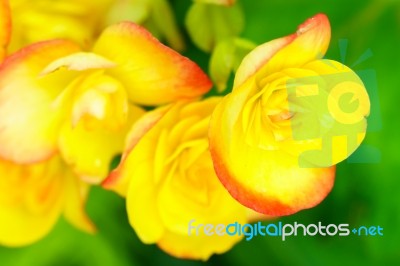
(209,24)
(226,58)
(133,10)
(164,18)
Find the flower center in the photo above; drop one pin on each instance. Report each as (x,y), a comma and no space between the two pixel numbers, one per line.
(99,100)
(266,115)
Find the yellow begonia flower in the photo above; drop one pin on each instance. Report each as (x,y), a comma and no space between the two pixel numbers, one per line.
(61,107)
(167,176)
(276,138)
(5,27)
(82,104)
(32,197)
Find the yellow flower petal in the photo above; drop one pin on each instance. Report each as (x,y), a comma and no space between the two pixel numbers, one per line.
(204,199)
(80,147)
(31,201)
(144,216)
(119,179)
(310,42)
(32,198)
(152,73)
(137,163)
(27,102)
(76,193)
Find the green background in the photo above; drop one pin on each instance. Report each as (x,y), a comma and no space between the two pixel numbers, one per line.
(364,194)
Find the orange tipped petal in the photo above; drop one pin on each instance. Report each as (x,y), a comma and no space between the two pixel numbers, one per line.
(5,27)
(286,190)
(27,102)
(310,42)
(152,73)
(268,181)
(218,2)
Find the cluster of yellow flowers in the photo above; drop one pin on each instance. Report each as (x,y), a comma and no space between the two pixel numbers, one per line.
(71,98)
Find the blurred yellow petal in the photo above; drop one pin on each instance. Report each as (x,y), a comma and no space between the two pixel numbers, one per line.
(34,196)
(40,20)
(31,200)
(27,102)
(310,42)
(76,193)
(5,27)
(152,73)
(80,147)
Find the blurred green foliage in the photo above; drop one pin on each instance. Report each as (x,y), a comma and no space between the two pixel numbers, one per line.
(364,194)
